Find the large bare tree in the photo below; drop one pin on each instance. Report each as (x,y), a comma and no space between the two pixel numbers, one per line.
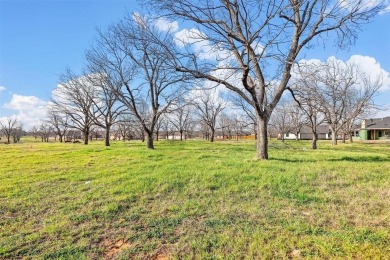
(257,43)
(74,97)
(106,108)
(132,47)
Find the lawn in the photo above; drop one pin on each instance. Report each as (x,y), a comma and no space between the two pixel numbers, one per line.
(194,200)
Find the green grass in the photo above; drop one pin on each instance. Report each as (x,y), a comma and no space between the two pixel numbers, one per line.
(194,199)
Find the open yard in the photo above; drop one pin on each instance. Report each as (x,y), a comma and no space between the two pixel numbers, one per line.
(194,200)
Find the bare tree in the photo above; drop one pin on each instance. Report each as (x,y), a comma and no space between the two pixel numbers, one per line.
(180,118)
(34,131)
(208,106)
(225,125)
(238,125)
(124,131)
(308,104)
(59,122)
(106,109)
(340,91)
(281,120)
(8,127)
(17,133)
(74,97)
(159,126)
(257,42)
(130,48)
(248,110)
(166,126)
(297,118)
(359,102)
(45,131)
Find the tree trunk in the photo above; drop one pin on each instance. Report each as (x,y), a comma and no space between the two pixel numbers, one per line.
(350,138)
(86,137)
(262,139)
(314,141)
(107,136)
(150,140)
(212,135)
(181,135)
(334,137)
(343,140)
(157,135)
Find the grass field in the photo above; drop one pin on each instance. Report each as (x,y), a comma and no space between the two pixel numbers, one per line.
(194,200)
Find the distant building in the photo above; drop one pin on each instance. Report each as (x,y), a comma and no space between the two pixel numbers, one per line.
(323,133)
(375,129)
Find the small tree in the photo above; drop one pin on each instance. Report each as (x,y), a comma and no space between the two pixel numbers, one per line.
(208,105)
(59,122)
(8,127)
(281,120)
(45,130)
(180,118)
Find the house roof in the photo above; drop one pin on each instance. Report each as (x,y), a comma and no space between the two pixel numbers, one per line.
(321,129)
(377,123)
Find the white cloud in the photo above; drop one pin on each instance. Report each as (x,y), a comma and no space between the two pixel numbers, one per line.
(19,102)
(366,4)
(2,89)
(373,69)
(31,110)
(164,25)
(366,64)
(204,48)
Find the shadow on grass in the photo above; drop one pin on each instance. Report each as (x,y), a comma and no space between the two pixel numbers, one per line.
(342,159)
(361,159)
(292,160)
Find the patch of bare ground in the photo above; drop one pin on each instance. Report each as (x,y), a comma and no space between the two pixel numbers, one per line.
(294,254)
(161,256)
(113,249)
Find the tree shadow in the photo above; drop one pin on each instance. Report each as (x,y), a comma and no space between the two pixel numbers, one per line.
(361,159)
(292,160)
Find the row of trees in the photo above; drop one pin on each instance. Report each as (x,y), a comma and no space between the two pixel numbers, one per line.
(144,70)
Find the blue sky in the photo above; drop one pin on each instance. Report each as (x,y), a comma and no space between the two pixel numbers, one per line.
(39,39)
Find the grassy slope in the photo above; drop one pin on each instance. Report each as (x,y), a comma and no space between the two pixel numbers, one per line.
(194,199)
